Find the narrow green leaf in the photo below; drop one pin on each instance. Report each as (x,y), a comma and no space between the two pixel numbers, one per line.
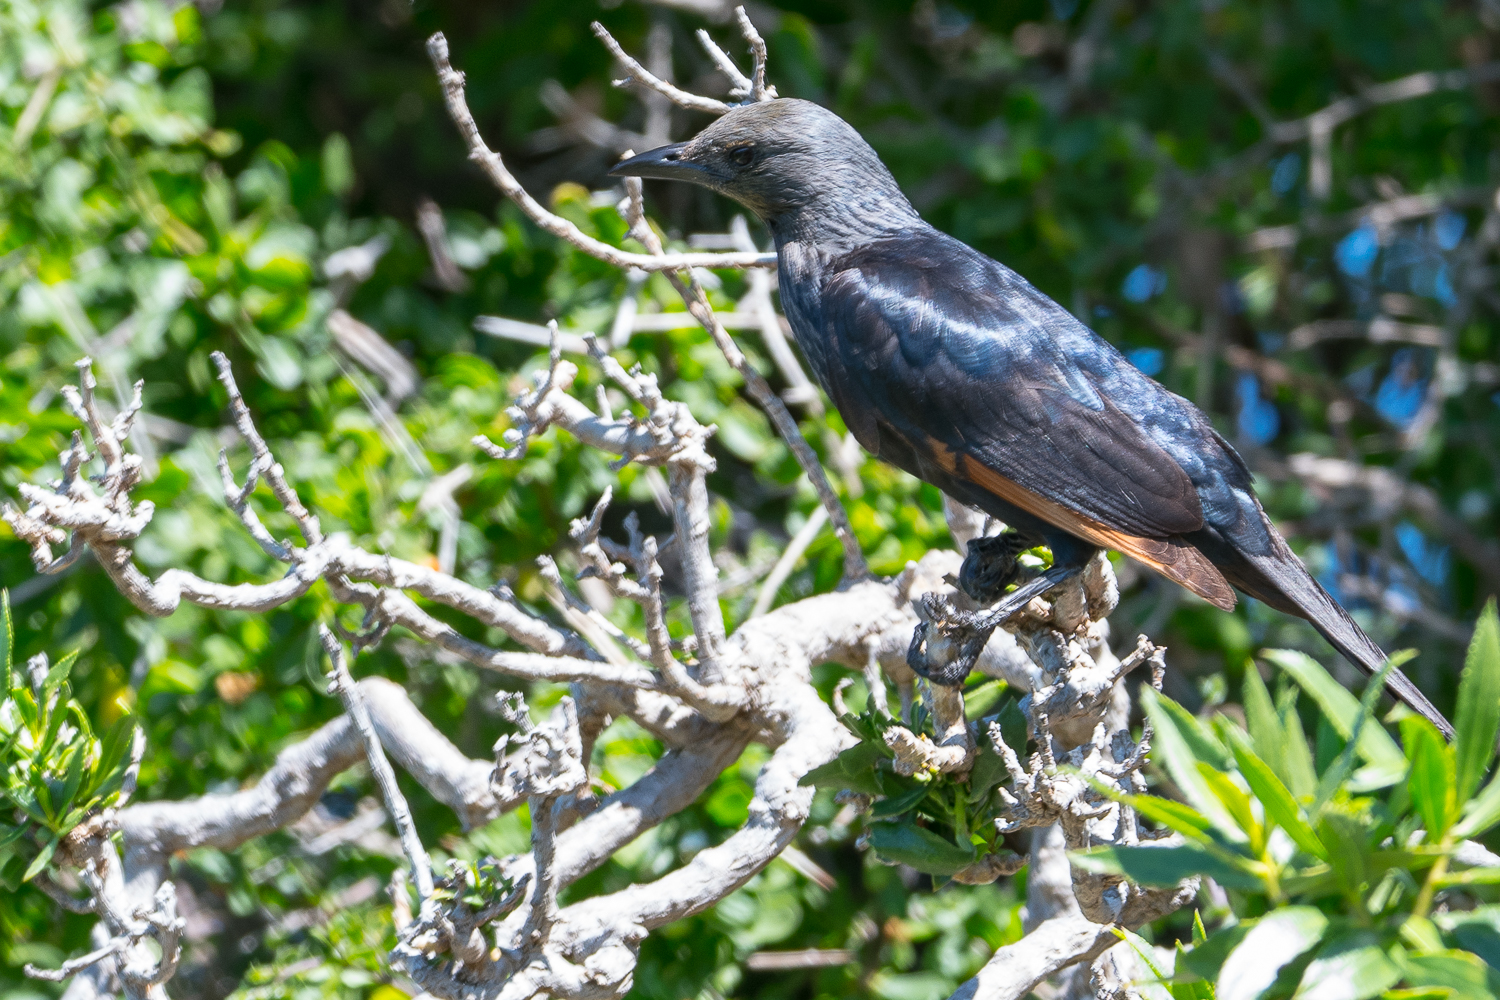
(1281,809)
(58,674)
(1481,813)
(1276,940)
(1266,730)
(1301,775)
(918,847)
(74,779)
(1431,780)
(1174,815)
(1349,966)
(1235,801)
(1340,707)
(7,644)
(1199,737)
(1477,719)
(1171,750)
(41,860)
(1164,866)
(1363,723)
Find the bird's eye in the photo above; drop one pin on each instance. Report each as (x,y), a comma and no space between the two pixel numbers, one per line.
(742,156)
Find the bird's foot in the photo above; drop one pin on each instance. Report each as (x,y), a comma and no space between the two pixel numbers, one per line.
(991,565)
(945,648)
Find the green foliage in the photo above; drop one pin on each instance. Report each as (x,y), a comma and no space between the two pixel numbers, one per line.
(56,773)
(934,822)
(190,170)
(1332,887)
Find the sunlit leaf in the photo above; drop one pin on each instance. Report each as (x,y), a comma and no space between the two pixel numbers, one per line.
(1280,808)
(1276,939)
(1431,780)
(1339,707)
(1171,751)
(1477,719)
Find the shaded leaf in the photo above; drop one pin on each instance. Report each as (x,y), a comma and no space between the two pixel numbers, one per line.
(918,847)
(1164,866)
(1349,966)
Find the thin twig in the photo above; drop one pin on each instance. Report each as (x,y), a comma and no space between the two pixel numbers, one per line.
(343,685)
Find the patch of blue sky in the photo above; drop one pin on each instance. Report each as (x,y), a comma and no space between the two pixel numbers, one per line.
(1257,419)
(1356,253)
(1143,283)
(1431,562)
(1150,360)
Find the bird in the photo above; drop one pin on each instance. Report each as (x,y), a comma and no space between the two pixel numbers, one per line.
(956,369)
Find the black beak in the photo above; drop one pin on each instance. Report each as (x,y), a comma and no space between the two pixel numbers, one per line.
(665,163)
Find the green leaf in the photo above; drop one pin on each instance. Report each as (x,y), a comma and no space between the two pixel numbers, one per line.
(988,770)
(981,700)
(1014,727)
(1281,809)
(1172,751)
(853,769)
(1464,974)
(1364,722)
(1275,941)
(1431,780)
(1266,730)
(40,861)
(1340,707)
(1206,958)
(1301,774)
(75,778)
(1164,866)
(6,646)
(918,847)
(1480,813)
(895,805)
(1172,814)
(58,674)
(1477,719)
(1349,966)
(1235,800)
(1199,737)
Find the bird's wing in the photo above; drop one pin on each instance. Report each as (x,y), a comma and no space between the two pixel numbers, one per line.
(978,372)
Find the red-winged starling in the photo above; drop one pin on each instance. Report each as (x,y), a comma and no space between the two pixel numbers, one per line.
(953,367)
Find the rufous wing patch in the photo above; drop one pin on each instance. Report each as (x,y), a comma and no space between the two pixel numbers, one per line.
(1177,561)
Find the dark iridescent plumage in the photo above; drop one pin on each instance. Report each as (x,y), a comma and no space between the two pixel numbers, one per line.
(953,367)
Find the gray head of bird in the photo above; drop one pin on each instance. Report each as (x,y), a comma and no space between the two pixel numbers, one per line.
(788,161)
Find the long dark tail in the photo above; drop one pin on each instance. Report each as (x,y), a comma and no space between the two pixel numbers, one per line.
(1279,579)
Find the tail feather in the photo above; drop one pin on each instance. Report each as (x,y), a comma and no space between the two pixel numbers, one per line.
(1279,579)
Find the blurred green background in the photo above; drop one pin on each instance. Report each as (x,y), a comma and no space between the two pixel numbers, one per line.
(174,179)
